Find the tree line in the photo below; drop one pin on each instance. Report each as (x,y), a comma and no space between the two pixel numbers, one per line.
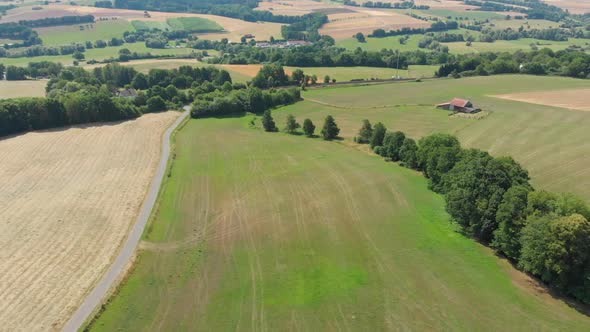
(543,233)
(328,132)
(569,63)
(435,27)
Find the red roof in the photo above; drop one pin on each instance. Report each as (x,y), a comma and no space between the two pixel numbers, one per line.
(457,102)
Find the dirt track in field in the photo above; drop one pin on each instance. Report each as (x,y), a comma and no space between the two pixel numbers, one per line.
(68,199)
(575,99)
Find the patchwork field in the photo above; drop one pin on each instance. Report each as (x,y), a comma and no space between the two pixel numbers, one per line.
(553,143)
(68,198)
(268,231)
(234,29)
(15,89)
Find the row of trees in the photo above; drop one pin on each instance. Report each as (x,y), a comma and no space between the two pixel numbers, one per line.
(435,27)
(545,234)
(541,62)
(329,130)
(228,101)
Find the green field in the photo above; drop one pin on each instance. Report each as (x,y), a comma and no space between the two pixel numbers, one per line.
(100,30)
(343,74)
(461,15)
(268,231)
(553,143)
(99,54)
(514,45)
(193,24)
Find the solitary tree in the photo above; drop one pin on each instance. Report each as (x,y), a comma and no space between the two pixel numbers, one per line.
(298,76)
(267,122)
(308,127)
(326,79)
(378,135)
(292,125)
(1,71)
(365,132)
(360,37)
(330,129)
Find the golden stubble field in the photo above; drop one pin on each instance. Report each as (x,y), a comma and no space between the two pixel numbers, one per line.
(67,200)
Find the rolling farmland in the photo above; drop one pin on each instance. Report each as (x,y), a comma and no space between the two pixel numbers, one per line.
(15,89)
(268,231)
(530,133)
(69,197)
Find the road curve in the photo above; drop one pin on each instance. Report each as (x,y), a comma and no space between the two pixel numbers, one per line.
(117,268)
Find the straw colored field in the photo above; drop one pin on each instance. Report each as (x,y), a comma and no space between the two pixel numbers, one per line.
(345,25)
(67,200)
(264,231)
(15,89)
(294,7)
(575,99)
(100,30)
(574,6)
(552,143)
(343,74)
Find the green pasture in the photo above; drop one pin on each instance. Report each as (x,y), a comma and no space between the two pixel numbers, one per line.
(100,30)
(268,231)
(552,143)
(343,74)
(149,25)
(99,54)
(526,24)
(377,44)
(461,15)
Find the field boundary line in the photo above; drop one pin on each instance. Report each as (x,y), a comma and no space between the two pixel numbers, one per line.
(117,269)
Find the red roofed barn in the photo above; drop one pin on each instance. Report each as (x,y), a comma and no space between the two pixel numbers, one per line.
(459,105)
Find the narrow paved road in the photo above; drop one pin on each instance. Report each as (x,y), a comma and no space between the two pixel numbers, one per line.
(98,294)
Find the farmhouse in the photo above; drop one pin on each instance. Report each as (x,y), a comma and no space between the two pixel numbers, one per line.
(459,105)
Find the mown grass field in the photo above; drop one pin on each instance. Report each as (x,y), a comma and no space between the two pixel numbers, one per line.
(342,74)
(268,231)
(100,30)
(553,143)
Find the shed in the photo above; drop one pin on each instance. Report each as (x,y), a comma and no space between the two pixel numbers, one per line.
(459,105)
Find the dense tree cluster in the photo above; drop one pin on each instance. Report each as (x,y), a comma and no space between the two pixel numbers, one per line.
(534,9)
(306,28)
(55,21)
(230,100)
(491,198)
(541,62)
(75,95)
(17,31)
(435,27)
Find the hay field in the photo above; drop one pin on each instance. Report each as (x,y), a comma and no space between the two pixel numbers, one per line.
(67,200)
(100,30)
(264,231)
(345,25)
(15,89)
(575,99)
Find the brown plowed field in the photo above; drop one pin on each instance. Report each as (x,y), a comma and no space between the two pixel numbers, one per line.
(67,200)
(575,99)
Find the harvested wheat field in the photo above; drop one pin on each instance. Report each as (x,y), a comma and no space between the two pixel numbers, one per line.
(16,89)
(574,6)
(67,200)
(575,99)
(345,25)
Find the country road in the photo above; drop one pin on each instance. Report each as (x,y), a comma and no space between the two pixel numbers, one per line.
(96,297)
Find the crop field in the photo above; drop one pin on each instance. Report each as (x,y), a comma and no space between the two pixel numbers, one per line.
(576,99)
(514,45)
(574,6)
(552,142)
(15,89)
(67,200)
(345,25)
(68,34)
(268,231)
